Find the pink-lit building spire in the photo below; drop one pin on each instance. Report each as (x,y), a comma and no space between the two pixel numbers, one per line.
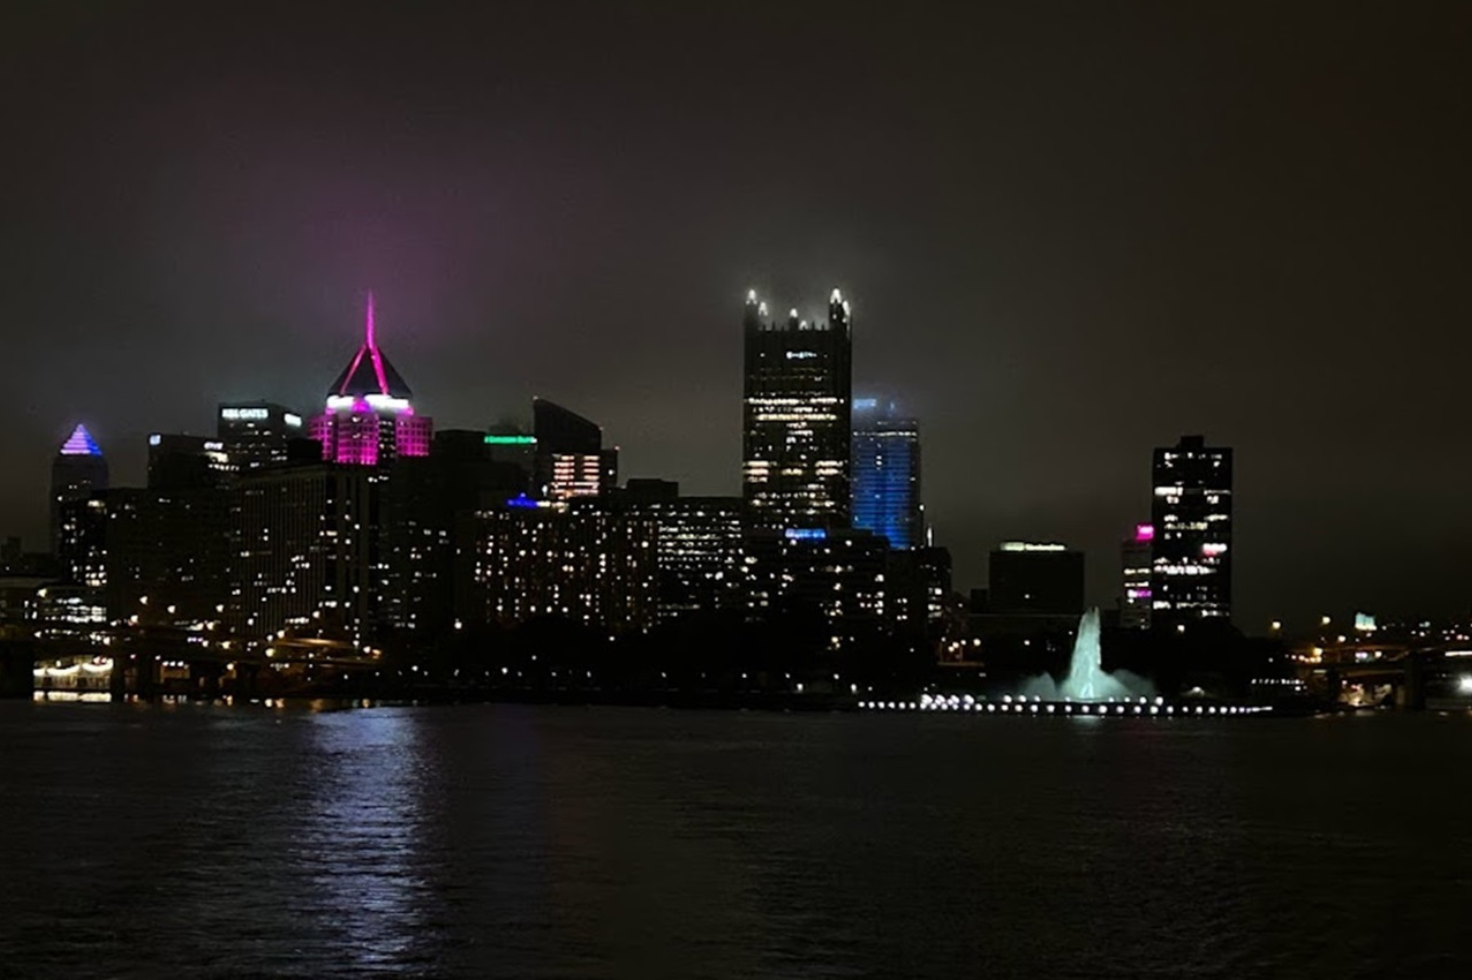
(369,392)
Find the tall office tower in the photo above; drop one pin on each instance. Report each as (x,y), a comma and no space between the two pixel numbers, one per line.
(698,547)
(886,474)
(369,417)
(570,459)
(1191,570)
(1135,554)
(78,469)
(255,434)
(309,551)
(183,462)
(796,421)
(579,562)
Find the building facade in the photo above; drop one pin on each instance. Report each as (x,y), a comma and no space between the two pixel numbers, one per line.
(427,502)
(1035,578)
(184,462)
(838,574)
(886,474)
(570,458)
(698,546)
(310,552)
(1136,554)
(797,426)
(167,552)
(1191,513)
(256,433)
(578,561)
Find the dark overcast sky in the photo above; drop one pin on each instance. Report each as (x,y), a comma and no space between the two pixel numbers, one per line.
(1070,233)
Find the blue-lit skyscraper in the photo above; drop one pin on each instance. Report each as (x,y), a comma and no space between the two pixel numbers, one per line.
(886,474)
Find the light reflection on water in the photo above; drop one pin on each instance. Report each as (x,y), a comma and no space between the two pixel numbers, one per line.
(544,842)
(363,821)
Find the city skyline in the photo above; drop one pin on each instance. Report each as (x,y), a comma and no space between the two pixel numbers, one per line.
(1058,264)
(1104,564)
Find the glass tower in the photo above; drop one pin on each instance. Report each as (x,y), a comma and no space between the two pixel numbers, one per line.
(886,474)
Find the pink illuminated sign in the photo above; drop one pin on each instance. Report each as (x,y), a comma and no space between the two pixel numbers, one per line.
(1144,532)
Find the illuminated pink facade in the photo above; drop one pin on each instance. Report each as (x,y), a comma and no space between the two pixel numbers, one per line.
(369,418)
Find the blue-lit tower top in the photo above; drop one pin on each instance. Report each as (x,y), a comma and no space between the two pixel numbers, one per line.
(886,474)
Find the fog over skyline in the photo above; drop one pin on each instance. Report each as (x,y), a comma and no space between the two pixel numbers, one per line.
(1070,234)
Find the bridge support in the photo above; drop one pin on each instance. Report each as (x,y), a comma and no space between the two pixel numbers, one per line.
(17,666)
(1411,695)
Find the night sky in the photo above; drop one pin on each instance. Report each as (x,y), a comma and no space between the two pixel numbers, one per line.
(1070,233)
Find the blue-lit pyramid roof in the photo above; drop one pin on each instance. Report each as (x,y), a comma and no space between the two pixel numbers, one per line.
(80,443)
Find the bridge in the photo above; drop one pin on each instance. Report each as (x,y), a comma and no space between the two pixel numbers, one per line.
(1412,668)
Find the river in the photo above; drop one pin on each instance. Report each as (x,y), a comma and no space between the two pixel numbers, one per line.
(517,841)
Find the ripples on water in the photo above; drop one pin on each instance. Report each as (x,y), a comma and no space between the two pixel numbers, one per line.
(500,841)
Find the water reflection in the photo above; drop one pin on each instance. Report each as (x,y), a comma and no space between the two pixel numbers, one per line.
(361,842)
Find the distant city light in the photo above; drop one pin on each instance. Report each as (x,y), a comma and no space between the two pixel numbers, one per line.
(806,534)
(1032,546)
(492,439)
(1144,532)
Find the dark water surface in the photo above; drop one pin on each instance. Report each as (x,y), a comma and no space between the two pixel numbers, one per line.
(500,841)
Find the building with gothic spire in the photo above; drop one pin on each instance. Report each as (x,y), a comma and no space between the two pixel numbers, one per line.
(797,424)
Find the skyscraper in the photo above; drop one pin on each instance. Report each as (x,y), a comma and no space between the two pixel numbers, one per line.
(796,426)
(1191,568)
(255,434)
(369,417)
(886,474)
(78,469)
(570,458)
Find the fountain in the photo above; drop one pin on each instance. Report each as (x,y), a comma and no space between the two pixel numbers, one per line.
(1087,680)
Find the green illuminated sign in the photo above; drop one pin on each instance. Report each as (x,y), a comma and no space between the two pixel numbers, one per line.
(495,440)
